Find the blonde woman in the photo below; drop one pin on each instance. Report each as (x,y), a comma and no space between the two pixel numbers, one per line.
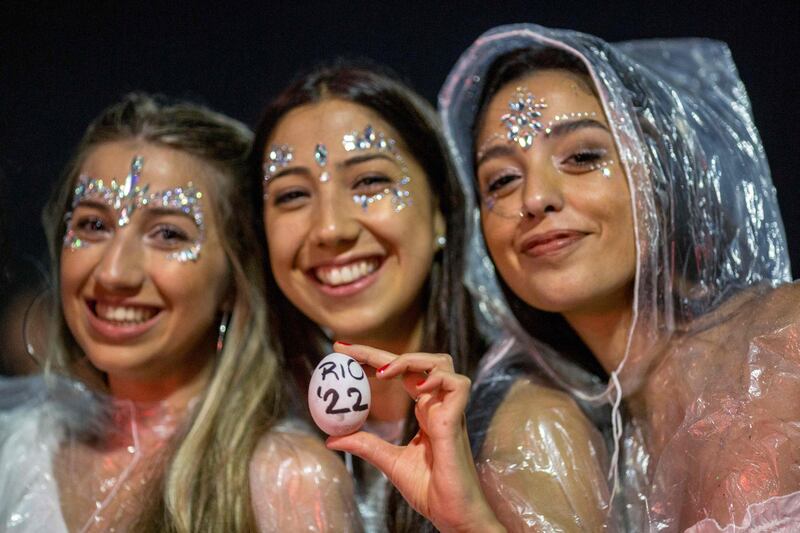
(159,403)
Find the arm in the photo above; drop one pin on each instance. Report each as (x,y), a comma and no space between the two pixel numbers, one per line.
(733,458)
(542,464)
(296,484)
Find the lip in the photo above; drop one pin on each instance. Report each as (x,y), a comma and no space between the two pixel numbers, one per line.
(551,242)
(115,332)
(347,289)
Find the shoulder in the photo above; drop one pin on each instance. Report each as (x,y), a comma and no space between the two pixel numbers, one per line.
(532,413)
(294,453)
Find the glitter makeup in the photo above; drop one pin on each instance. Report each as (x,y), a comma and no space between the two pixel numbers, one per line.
(127,197)
(370,139)
(278,157)
(522,120)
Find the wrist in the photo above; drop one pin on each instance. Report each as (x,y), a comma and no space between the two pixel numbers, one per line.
(483,520)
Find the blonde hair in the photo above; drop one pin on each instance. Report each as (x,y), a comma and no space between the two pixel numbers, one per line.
(205,483)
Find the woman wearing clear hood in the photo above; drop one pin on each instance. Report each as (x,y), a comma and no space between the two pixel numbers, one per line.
(622,213)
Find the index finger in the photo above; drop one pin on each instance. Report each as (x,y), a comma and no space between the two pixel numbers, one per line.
(373,357)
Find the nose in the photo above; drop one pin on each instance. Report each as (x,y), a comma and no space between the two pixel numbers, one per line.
(122,267)
(542,193)
(335,222)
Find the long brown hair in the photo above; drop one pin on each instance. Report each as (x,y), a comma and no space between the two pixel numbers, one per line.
(448,319)
(205,484)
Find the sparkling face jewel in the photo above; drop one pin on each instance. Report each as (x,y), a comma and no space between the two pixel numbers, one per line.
(370,139)
(321,155)
(127,197)
(522,121)
(278,157)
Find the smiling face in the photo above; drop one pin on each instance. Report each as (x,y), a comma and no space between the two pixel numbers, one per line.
(350,220)
(555,208)
(143,279)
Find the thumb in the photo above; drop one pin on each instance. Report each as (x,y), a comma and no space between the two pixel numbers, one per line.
(373,449)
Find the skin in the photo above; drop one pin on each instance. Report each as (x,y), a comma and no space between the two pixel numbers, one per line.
(434,472)
(312,225)
(584,264)
(128,266)
(322,226)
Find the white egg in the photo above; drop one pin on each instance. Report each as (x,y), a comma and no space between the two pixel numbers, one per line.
(339,395)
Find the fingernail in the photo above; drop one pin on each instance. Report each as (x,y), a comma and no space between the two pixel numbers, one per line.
(343,343)
(420,382)
(383,368)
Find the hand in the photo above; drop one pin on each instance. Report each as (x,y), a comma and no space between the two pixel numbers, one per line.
(435,472)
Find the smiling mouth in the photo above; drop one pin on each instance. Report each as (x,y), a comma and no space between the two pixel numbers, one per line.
(122,315)
(337,275)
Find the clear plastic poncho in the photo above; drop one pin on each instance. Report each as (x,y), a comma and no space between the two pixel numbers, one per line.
(75,460)
(710,380)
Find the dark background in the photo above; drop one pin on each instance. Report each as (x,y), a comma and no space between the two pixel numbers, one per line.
(59,66)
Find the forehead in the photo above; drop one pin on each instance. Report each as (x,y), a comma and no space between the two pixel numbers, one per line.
(326,122)
(563,91)
(162,169)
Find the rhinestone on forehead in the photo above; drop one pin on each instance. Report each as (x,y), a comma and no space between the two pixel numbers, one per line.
(125,198)
(321,155)
(522,121)
(370,139)
(278,157)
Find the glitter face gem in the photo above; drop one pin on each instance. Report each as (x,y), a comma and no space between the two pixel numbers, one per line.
(321,155)
(278,157)
(127,197)
(522,120)
(370,139)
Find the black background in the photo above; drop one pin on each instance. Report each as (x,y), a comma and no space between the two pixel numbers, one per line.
(59,66)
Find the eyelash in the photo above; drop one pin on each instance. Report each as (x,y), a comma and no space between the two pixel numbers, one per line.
(586,158)
(371,184)
(90,224)
(372,181)
(175,233)
(502,181)
(289,196)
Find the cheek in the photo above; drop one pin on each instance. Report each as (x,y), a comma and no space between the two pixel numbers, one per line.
(499,236)
(285,237)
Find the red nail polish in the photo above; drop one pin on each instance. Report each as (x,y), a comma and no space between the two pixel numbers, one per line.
(344,343)
(420,382)
(383,368)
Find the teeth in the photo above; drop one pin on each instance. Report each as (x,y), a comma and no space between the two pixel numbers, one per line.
(125,314)
(341,275)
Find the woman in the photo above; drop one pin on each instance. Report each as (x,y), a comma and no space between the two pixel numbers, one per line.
(357,191)
(160,402)
(627,207)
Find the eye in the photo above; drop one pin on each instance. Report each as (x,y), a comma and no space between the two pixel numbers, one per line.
(504,182)
(90,225)
(168,234)
(586,159)
(372,183)
(291,197)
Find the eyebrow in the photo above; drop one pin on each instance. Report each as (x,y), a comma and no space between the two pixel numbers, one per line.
(156,211)
(562,128)
(92,203)
(503,149)
(559,130)
(351,162)
(363,158)
(151,211)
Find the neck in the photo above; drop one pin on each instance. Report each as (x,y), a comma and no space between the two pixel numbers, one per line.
(175,390)
(604,332)
(402,334)
(390,401)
